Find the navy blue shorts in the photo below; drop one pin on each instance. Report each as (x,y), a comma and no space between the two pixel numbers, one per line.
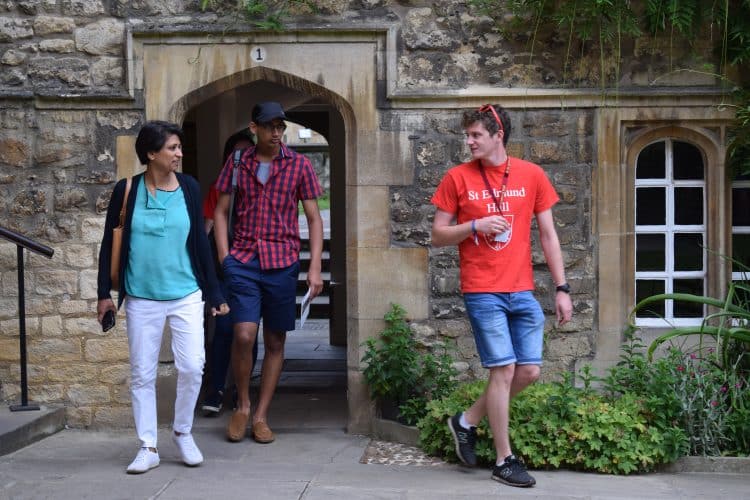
(255,293)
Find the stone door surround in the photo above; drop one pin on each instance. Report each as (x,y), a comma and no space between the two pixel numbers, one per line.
(176,73)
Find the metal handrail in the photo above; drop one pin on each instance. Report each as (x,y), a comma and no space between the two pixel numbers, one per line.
(25,242)
(22,242)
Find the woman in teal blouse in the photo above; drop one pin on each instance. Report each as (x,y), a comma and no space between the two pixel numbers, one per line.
(165,273)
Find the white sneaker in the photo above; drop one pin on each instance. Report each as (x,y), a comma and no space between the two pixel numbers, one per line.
(144,461)
(189,451)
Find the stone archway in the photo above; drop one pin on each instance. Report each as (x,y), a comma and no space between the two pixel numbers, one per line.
(216,116)
(175,73)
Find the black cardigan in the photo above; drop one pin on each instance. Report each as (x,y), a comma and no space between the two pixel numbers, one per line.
(197,243)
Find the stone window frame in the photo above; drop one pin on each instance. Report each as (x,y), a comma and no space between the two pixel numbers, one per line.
(622,133)
(669,228)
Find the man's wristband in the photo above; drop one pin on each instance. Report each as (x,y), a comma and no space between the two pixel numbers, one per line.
(563,288)
(474,231)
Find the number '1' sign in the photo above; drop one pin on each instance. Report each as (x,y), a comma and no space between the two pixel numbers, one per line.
(258,54)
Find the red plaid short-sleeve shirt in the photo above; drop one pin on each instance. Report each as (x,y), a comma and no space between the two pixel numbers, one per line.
(266,219)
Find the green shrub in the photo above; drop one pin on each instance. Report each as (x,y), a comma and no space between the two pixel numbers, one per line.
(690,401)
(556,425)
(399,372)
(653,382)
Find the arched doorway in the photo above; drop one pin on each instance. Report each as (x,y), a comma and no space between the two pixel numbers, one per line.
(210,120)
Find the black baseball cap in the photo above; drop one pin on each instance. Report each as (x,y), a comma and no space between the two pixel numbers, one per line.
(265,112)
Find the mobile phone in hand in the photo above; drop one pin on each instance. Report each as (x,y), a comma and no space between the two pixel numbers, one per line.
(108,321)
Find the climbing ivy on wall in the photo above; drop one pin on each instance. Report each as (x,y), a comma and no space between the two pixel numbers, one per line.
(738,150)
(263,14)
(736,52)
(607,25)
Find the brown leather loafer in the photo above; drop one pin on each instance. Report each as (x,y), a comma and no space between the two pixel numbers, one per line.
(237,427)
(262,433)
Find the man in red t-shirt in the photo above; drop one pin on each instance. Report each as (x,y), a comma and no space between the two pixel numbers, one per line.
(486,207)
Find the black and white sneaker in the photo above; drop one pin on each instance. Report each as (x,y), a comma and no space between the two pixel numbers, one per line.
(513,473)
(212,405)
(465,440)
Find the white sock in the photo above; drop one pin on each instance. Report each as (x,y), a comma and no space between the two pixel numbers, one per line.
(463,423)
(501,462)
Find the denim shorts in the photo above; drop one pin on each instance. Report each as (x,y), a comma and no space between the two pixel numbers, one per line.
(255,293)
(508,327)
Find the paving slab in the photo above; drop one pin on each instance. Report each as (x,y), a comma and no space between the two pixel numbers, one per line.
(313,458)
(324,464)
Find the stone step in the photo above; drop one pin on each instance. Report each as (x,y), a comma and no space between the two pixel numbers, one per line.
(304,260)
(326,275)
(305,244)
(322,300)
(319,308)
(21,428)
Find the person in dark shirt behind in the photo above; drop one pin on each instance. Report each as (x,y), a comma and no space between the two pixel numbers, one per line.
(219,352)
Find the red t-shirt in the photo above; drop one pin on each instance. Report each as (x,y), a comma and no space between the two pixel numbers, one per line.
(209,204)
(494,266)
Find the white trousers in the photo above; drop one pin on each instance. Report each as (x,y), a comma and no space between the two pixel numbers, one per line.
(145,324)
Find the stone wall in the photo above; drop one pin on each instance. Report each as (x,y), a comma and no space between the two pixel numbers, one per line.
(57,177)
(65,99)
(78,46)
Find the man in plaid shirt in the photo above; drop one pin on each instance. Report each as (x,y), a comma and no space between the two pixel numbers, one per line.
(262,265)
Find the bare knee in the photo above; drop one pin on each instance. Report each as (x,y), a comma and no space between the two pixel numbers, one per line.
(245,335)
(502,375)
(527,374)
(273,343)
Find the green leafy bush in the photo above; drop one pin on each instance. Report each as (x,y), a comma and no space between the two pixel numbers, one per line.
(398,371)
(653,382)
(648,412)
(556,425)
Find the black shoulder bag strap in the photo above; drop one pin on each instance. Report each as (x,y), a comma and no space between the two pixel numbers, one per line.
(230,218)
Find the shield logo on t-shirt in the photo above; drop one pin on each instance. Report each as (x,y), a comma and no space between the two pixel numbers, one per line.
(499,241)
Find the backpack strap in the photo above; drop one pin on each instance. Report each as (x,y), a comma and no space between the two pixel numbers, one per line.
(235,166)
(236,156)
